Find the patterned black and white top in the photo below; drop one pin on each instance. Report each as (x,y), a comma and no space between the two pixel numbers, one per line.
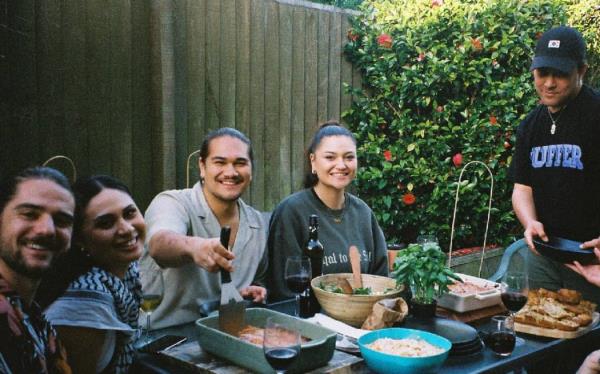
(101,300)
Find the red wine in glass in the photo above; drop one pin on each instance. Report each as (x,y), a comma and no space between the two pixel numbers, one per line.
(502,343)
(513,301)
(515,287)
(297,276)
(281,343)
(297,283)
(281,358)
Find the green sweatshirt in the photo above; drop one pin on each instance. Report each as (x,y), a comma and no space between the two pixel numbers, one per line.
(355,224)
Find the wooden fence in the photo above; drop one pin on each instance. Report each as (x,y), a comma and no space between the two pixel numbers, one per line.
(130,88)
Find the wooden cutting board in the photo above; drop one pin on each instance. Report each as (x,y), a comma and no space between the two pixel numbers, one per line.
(554,333)
(473,316)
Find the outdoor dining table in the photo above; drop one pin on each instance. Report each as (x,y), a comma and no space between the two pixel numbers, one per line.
(535,350)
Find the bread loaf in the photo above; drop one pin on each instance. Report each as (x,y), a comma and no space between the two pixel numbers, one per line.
(562,310)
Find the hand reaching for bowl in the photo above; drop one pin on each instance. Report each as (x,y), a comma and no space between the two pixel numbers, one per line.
(534,228)
(594,243)
(591,273)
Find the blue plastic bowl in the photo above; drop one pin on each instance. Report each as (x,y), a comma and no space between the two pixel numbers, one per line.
(389,364)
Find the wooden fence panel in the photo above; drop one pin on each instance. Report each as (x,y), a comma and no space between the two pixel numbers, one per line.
(335,61)
(196,62)
(257,100)
(228,63)
(213,64)
(272,130)
(120,102)
(323,67)
(130,88)
(179,37)
(50,105)
(74,84)
(298,102)
(286,39)
(142,116)
(242,72)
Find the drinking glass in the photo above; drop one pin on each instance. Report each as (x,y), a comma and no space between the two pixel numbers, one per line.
(281,344)
(502,337)
(426,240)
(297,276)
(514,288)
(152,294)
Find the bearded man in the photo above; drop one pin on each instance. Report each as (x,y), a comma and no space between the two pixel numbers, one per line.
(36,221)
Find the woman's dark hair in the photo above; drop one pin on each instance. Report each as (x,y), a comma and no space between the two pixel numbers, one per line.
(8,187)
(225,131)
(329,128)
(74,262)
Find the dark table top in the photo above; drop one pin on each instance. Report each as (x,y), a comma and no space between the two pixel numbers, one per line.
(554,355)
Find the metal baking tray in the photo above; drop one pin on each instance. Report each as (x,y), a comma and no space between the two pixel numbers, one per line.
(314,354)
(478,300)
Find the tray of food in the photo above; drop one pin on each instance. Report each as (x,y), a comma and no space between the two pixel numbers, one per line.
(470,294)
(562,314)
(246,348)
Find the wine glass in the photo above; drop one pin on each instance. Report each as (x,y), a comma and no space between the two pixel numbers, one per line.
(297,276)
(281,344)
(514,287)
(152,294)
(502,337)
(427,240)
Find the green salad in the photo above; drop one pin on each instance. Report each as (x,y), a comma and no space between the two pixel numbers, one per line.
(333,287)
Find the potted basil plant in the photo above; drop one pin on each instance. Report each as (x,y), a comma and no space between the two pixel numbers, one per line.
(423,268)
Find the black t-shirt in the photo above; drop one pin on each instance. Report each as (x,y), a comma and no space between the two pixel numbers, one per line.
(563,169)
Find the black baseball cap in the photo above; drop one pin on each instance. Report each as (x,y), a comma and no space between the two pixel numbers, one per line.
(561,48)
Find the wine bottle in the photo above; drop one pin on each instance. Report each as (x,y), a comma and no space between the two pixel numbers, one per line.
(314,250)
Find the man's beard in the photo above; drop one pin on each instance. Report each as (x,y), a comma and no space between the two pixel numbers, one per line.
(15,261)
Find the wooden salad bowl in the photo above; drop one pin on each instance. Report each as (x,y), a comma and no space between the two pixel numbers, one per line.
(353,309)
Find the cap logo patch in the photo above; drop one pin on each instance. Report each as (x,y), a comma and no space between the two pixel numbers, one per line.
(554,44)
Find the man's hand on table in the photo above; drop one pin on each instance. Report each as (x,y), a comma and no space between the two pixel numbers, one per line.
(257,293)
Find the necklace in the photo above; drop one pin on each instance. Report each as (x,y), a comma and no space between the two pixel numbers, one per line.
(554,120)
(336,214)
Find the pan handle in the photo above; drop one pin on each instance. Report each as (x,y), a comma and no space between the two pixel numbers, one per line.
(225,234)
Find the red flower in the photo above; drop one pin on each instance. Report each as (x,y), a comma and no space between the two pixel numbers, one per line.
(352,36)
(493,120)
(421,57)
(457,159)
(476,43)
(436,3)
(387,154)
(384,40)
(507,145)
(408,198)
(439,109)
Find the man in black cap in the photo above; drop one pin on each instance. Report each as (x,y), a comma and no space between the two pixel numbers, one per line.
(556,166)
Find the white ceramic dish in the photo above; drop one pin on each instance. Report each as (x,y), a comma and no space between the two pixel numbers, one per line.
(472,301)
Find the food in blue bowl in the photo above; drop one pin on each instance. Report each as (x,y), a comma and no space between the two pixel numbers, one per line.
(410,351)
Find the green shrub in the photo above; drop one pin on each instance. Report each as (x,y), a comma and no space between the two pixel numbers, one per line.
(585,16)
(443,85)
